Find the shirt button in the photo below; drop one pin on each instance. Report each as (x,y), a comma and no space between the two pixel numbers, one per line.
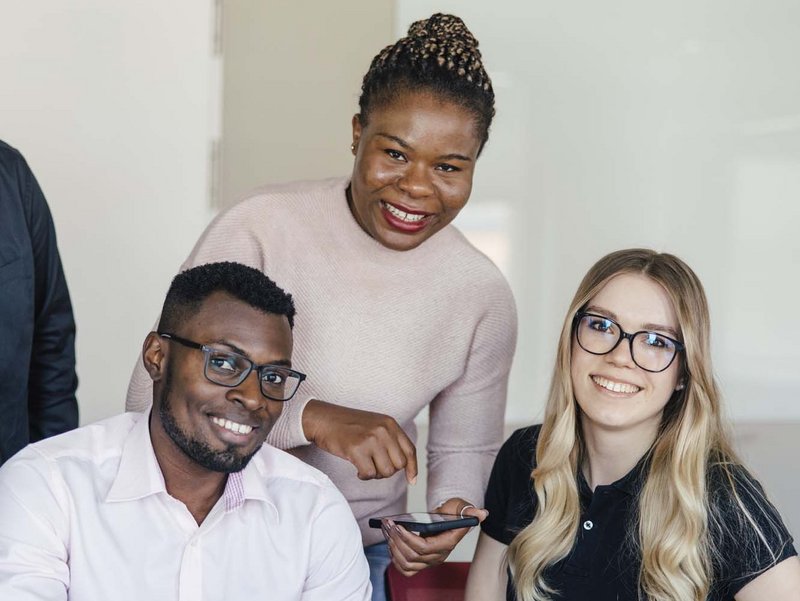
(587,525)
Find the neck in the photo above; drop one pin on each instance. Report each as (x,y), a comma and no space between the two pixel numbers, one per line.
(195,486)
(348,192)
(610,454)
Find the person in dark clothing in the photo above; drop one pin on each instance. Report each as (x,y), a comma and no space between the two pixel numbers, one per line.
(37,329)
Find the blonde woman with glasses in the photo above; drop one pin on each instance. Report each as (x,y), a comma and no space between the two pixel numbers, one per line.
(630,489)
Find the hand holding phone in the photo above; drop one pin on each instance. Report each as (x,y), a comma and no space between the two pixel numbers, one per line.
(415,551)
(427,523)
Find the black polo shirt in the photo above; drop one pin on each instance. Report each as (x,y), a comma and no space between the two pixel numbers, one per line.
(604,562)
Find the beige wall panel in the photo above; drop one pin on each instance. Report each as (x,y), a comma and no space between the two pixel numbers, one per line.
(292,78)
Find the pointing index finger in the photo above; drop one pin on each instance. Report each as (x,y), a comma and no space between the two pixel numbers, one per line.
(410,451)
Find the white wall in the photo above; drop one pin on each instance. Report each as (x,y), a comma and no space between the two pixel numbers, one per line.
(111,103)
(293,71)
(670,125)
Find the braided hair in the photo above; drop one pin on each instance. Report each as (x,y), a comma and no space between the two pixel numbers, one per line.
(439,55)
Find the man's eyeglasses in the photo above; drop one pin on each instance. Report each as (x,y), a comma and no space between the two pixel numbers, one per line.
(600,335)
(230,369)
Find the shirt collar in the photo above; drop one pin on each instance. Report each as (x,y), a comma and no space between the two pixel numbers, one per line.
(630,484)
(139,474)
(253,481)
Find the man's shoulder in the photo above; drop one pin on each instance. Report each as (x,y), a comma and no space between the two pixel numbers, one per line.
(276,465)
(9,154)
(95,442)
(13,168)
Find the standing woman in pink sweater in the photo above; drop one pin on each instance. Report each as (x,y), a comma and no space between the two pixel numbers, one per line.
(396,311)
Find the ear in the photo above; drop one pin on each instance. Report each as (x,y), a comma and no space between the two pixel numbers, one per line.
(356,132)
(154,356)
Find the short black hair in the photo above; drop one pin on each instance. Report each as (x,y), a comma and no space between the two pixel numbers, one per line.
(440,56)
(190,288)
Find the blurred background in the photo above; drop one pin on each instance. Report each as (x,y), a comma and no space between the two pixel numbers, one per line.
(624,123)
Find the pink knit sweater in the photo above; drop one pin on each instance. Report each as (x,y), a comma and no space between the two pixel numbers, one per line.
(380,330)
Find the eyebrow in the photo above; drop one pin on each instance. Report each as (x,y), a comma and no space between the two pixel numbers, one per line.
(244,353)
(645,326)
(445,157)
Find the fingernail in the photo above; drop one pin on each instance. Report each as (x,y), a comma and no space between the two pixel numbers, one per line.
(413,481)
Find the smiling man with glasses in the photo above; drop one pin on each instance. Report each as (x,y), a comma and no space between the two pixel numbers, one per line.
(187,502)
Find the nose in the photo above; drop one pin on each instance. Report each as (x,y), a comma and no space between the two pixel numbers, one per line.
(248,393)
(622,354)
(415,181)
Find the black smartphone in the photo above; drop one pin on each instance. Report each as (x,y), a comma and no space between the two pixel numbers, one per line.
(427,523)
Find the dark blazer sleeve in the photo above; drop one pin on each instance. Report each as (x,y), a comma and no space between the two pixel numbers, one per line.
(52,381)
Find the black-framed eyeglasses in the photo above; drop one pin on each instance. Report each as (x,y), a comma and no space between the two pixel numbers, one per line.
(230,369)
(600,335)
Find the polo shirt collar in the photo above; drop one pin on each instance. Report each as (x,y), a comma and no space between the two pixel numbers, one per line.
(630,484)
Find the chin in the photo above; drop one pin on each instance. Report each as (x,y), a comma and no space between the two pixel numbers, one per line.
(402,242)
(605,419)
(228,461)
(400,247)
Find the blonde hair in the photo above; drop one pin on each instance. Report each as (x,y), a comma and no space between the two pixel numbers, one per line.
(674,513)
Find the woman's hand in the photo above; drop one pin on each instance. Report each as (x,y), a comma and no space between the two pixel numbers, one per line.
(373,442)
(412,553)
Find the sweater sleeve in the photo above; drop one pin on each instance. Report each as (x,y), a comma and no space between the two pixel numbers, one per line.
(466,419)
(229,237)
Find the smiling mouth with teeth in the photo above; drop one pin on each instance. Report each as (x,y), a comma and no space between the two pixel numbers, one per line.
(232,426)
(402,215)
(615,386)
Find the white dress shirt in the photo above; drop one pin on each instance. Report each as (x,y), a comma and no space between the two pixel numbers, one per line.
(85,516)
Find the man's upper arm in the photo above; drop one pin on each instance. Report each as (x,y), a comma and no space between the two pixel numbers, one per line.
(338,569)
(33,554)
